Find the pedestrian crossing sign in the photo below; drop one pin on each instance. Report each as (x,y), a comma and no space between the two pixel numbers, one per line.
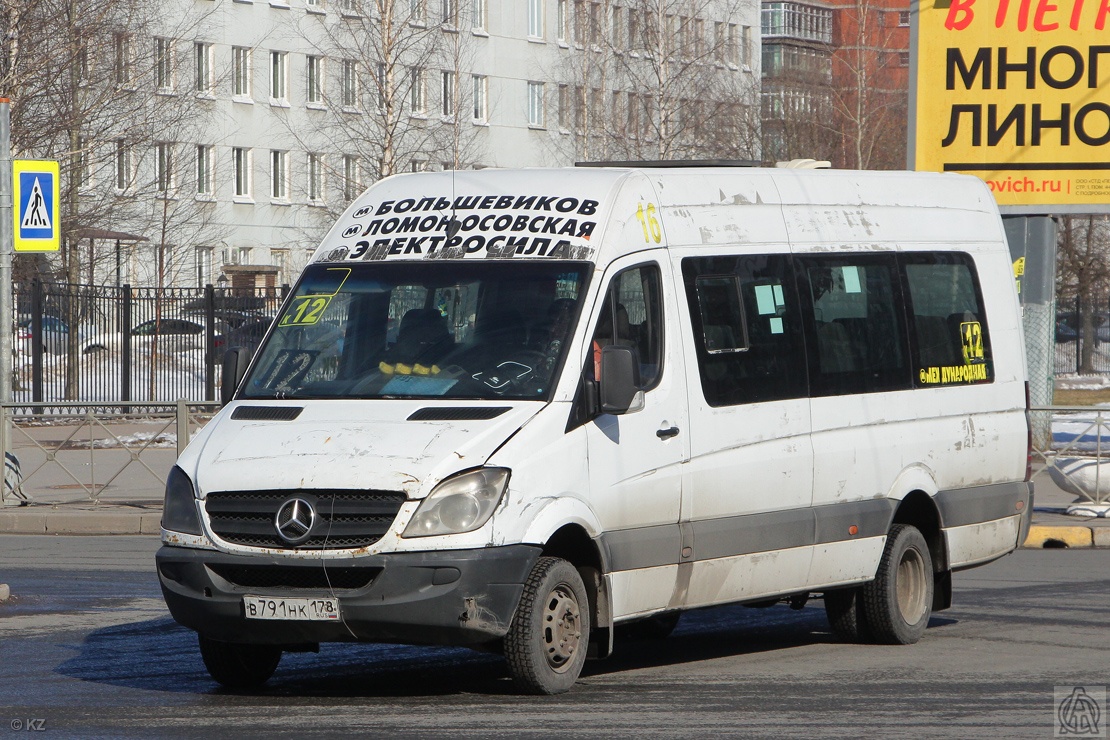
(36,195)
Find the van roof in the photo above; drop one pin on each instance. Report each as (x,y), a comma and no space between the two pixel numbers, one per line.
(599,213)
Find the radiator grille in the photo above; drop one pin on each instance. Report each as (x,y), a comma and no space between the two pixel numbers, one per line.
(344,519)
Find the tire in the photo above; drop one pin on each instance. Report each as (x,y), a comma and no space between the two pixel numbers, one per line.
(546,643)
(845,613)
(899,602)
(237,665)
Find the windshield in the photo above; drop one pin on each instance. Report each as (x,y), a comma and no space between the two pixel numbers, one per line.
(421,330)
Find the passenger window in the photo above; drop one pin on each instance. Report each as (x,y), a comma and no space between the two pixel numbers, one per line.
(858,339)
(633,317)
(952,345)
(747,328)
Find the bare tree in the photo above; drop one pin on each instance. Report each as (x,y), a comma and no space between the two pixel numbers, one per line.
(381,69)
(93,86)
(658,79)
(1083,273)
(869,88)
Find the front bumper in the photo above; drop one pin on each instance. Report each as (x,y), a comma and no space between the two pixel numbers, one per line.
(455,597)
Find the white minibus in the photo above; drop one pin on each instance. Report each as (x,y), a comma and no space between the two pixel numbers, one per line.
(517,409)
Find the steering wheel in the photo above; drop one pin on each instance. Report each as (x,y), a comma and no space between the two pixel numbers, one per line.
(510,373)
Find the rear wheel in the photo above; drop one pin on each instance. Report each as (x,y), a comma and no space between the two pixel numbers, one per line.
(899,602)
(844,609)
(546,644)
(239,665)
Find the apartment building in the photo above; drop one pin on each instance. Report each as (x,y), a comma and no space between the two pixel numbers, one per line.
(269,116)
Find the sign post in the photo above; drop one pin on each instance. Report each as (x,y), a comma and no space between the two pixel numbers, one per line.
(6,317)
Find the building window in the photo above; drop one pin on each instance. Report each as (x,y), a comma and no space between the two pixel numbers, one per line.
(279,175)
(82,163)
(417,99)
(348,8)
(351,177)
(535,19)
(564,111)
(535,104)
(314,72)
(312,4)
(205,157)
(903,18)
(240,72)
(242,159)
(123,60)
(447,94)
(278,74)
(732,46)
(279,258)
(449,10)
(746,47)
(163,64)
(204,256)
(123,165)
(903,59)
(478,15)
(350,84)
(82,63)
(562,20)
(202,56)
(315,177)
(481,95)
(163,167)
(416,12)
(381,81)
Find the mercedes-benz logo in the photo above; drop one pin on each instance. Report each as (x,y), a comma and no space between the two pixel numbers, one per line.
(294,520)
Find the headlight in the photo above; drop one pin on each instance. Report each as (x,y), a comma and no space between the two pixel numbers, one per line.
(459,504)
(179,511)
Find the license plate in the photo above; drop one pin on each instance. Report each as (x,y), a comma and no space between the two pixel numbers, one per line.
(312,610)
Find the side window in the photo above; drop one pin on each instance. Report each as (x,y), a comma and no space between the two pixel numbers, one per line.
(951,342)
(633,317)
(747,328)
(858,341)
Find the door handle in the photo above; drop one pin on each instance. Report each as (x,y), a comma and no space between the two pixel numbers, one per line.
(667,433)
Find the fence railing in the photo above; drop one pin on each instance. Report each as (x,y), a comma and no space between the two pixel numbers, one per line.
(99,344)
(86,448)
(1071,446)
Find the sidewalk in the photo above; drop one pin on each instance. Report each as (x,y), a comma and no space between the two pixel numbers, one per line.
(132,504)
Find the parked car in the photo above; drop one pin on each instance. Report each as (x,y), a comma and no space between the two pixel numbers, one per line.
(1068,326)
(55,334)
(174,334)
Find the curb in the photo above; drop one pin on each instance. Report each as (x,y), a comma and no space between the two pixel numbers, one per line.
(1047,536)
(103,522)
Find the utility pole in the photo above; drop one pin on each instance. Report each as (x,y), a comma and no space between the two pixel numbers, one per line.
(7,248)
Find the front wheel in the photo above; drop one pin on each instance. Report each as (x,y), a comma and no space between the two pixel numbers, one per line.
(239,665)
(899,602)
(546,644)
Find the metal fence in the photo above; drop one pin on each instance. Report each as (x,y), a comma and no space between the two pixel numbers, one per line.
(1082,334)
(83,449)
(1071,445)
(102,344)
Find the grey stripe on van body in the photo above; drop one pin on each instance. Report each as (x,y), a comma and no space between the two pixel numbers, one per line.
(961,506)
(647,547)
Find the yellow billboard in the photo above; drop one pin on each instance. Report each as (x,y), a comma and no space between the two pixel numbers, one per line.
(1016,92)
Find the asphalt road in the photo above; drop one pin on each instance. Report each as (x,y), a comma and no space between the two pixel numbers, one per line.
(88,650)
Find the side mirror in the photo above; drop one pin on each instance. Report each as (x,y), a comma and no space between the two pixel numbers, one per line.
(236,360)
(620,381)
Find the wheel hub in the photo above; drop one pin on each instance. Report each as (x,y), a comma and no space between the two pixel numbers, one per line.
(562,628)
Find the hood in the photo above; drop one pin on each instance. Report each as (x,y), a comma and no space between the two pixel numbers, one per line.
(371,445)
